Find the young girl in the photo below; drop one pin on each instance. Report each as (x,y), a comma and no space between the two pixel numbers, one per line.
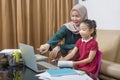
(86,47)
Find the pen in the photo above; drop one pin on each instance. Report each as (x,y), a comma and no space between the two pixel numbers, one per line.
(54,60)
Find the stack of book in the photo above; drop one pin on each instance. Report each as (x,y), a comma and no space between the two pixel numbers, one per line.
(63,74)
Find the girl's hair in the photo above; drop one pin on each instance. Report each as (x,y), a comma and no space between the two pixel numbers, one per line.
(92,25)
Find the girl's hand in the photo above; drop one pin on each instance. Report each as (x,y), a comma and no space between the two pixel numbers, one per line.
(62,58)
(44,48)
(54,52)
(74,63)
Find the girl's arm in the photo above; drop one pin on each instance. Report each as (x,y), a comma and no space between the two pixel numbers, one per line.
(71,54)
(87,60)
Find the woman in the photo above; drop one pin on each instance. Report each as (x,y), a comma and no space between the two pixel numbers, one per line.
(69,32)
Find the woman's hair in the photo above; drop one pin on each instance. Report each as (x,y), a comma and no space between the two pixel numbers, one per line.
(92,25)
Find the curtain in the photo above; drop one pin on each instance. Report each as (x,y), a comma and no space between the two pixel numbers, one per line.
(31,22)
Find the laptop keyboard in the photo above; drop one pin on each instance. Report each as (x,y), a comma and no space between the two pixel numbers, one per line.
(40,67)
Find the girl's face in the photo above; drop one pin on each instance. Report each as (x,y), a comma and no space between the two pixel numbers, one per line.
(85,32)
(76,18)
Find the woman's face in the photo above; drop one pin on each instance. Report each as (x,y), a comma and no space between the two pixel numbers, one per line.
(76,18)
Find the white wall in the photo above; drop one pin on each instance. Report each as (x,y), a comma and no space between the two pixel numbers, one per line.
(105,12)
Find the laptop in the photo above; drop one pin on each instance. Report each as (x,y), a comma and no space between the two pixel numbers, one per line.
(30,59)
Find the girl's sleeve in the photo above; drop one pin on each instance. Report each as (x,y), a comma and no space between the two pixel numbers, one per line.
(57,37)
(94,46)
(77,44)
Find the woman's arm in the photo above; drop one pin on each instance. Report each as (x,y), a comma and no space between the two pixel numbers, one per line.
(57,37)
(87,60)
(53,41)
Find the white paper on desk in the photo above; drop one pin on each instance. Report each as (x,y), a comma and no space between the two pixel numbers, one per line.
(73,77)
(65,63)
(8,51)
(46,76)
(86,77)
(41,57)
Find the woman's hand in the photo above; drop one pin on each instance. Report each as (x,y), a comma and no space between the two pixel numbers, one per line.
(44,48)
(54,52)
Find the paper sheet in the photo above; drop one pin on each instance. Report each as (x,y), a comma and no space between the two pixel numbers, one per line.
(8,51)
(46,76)
(73,77)
(41,57)
(65,63)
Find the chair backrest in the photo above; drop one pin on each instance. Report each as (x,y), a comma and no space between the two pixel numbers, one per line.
(99,56)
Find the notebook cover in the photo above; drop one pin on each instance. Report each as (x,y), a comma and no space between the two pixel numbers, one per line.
(62,71)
